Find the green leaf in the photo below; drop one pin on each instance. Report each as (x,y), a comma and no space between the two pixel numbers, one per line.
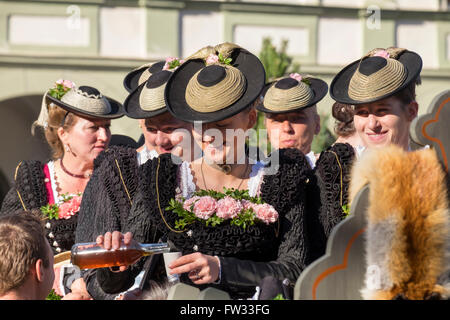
(279,297)
(53,296)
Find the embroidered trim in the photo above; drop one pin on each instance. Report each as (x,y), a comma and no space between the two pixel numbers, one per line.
(159,204)
(18,193)
(123,182)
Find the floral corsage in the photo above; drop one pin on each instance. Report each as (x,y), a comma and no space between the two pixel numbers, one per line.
(213,208)
(172,63)
(61,87)
(69,206)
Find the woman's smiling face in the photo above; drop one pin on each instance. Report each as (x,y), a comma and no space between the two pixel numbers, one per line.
(224,141)
(386,121)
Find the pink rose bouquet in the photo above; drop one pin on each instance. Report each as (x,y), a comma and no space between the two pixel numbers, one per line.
(213,208)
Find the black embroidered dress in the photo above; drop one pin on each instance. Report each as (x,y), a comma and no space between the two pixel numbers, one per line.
(120,196)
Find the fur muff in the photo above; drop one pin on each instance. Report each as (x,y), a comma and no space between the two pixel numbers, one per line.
(407,238)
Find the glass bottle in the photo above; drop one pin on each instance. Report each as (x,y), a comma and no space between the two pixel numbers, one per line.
(91,255)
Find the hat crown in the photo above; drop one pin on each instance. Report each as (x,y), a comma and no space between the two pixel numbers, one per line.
(371,65)
(211,75)
(90,91)
(286,83)
(158,79)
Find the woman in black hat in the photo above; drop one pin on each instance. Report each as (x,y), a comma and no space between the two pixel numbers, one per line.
(216,87)
(157,124)
(291,118)
(76,121)
(145,102)
(380,88)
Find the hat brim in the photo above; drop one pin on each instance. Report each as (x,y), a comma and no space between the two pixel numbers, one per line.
(318,86)
(175,92)
(116,109)
(131,80)
(340,84)
(132,106)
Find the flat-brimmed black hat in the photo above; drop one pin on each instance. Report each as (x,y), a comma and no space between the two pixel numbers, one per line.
(139,75)
(147,100)
(214,84)
(88,101)
(292,93)
(378,75)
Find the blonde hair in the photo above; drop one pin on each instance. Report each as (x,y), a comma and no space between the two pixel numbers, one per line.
(58,117)
(22,243)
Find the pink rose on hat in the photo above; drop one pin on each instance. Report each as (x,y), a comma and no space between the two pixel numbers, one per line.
(296,76)
(205,207)
(382,53)
(212,58)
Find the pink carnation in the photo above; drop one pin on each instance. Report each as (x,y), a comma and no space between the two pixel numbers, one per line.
(69,208)
(212,58)
(382,53)
(189,202)
(246,204)
(266,213)
(228,208)
(205,207)
(59,81)
(296,76)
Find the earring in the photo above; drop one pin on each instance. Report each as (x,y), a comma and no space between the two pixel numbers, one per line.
(67,148)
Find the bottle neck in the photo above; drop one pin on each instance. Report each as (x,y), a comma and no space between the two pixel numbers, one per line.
(152,248)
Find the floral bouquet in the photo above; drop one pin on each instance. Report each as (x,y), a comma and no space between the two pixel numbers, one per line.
(213,208)
(69,207)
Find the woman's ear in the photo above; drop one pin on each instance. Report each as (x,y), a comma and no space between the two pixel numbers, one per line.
(252,118)
(62,135)
(412,110)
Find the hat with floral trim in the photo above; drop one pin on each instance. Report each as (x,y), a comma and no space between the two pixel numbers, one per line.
(141,74)
(378,75)
(147,100)
(215,83)
(292,93)
(84,101)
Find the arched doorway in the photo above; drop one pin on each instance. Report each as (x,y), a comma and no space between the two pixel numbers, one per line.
(16,142)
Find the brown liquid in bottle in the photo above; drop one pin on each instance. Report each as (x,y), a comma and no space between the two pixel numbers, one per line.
(112,258)
(91,255)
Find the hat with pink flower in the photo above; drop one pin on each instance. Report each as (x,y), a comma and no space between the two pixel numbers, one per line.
(215,83)
(376,76)
(84,101)
(292,93)
(146,86)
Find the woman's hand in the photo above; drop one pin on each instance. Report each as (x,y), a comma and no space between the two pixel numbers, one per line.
(113,241)
(202,268)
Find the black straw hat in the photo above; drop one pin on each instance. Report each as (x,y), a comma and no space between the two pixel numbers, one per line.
(378,75)
(292,93)
(147,100)
(214,84)
(139,75)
